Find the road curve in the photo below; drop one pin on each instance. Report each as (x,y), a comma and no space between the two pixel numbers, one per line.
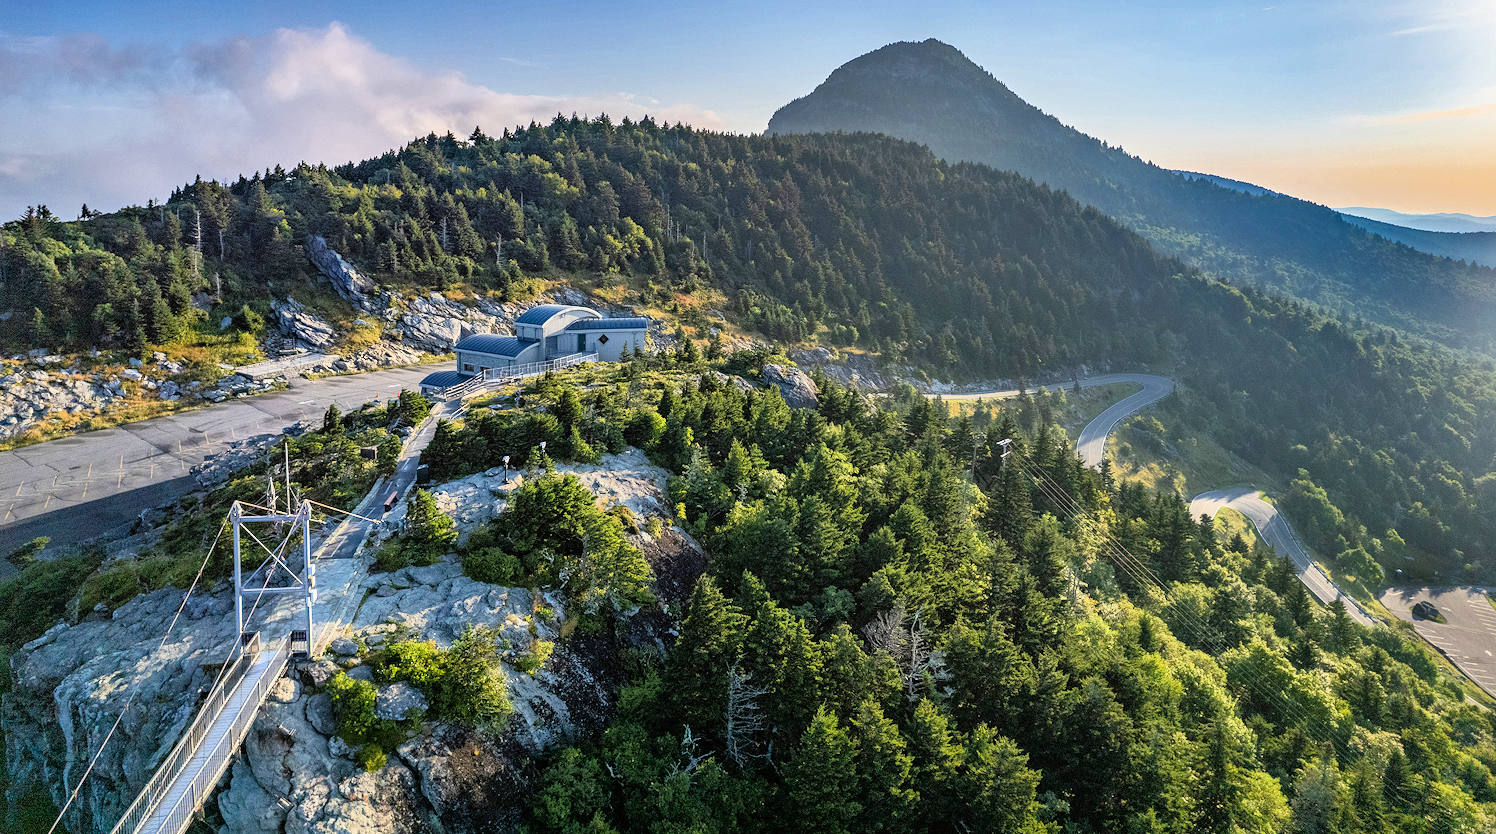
(1270,524)
(1279,536)
(1092,442)
(1091,445)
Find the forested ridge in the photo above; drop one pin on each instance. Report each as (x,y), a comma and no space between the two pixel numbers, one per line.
(929,92)
(882,640)
(886,641)
(856,241)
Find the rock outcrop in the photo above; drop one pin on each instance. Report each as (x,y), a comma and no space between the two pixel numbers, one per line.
(375,356)
(298,323)
(797,387)
(29,397)
(347,281)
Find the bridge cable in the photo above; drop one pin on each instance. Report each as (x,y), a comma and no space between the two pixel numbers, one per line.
(131,698)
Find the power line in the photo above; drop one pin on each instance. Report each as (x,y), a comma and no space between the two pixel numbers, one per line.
(1145,577)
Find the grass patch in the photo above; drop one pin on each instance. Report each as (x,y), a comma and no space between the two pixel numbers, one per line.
(1178,458)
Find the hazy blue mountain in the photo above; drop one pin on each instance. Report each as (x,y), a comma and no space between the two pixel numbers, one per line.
(1441,222)
(1476,247)
(929,92)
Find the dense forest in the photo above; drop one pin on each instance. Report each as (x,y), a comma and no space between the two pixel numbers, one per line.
(887,641)
(855,241)
(930,93)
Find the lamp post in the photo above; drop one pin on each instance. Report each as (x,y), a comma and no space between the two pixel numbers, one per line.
(506,469)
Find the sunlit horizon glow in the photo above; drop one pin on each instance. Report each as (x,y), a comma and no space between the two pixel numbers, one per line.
(1385,103)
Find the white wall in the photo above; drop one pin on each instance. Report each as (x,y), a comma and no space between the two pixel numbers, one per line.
(617,339)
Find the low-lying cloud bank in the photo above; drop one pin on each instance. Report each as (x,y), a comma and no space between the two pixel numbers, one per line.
(110,125)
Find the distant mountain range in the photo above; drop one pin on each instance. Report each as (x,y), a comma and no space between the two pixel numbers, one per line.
(1443,222)
(1471,239)
(929,92)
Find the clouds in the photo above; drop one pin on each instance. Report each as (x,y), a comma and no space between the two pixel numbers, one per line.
(92,122)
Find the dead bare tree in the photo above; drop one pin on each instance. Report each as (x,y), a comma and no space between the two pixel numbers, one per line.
(743,721)
(690,759)
(905,637)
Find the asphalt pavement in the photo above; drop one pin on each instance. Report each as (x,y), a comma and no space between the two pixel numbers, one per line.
(78,488)
(1092,442)
(1468,639)
(1280,537)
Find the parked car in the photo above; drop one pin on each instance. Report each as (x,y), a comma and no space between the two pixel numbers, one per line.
(1425,610)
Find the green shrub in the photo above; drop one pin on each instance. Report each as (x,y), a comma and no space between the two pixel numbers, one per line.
(113,587)
(391,556)
(38,597)
(472,690)
(534,660)
(371,757)
(419,662)
(493,565)
(353,707)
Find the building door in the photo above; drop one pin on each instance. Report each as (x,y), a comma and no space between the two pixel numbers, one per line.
(581,342)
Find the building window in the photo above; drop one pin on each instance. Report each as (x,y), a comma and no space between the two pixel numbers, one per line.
(468,367)
(603,339)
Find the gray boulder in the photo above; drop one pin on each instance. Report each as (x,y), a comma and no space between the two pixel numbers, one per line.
(798,389)
(346,280)
(297,322)
(394,702)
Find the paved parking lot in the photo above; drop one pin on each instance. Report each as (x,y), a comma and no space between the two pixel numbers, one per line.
(1468,639)
(76,488)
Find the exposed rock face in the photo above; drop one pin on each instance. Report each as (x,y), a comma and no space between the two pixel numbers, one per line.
(627,478)
(856,369)
(395,701)
(435,324)
(71,683)
(798,389)
(346,280)
(375,356)
(297,322)
(29,397)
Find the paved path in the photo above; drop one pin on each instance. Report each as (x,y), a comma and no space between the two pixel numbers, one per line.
(1468,639)
(1280,537)
(77,488)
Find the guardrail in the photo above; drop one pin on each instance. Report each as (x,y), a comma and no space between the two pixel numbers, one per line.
(146,812)
(499,376)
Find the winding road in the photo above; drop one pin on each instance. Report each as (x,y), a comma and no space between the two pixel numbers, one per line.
(1279,536)
(1270,524)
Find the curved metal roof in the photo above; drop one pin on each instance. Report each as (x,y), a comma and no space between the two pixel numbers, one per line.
(445,379)
(497,345)
(542,313)
(626,323)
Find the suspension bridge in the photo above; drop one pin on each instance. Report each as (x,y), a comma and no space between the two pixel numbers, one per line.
(318,580)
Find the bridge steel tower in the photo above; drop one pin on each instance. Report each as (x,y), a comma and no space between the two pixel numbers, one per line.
(283,574)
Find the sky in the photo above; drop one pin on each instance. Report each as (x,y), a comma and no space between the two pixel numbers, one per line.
(1387,103)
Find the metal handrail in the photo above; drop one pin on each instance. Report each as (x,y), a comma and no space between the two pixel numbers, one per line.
(147,804)
(182,752)
(499,376)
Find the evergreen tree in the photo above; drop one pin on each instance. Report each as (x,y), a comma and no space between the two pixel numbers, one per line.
(821,778)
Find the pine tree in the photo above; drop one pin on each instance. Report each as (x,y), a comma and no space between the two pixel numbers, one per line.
(822,778)
(429,532)
(709,645)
